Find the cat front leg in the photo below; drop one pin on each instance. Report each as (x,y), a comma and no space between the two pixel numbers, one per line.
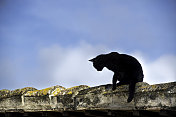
(120,78)
(114,80)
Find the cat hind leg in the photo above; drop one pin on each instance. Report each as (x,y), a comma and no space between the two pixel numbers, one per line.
(131,91)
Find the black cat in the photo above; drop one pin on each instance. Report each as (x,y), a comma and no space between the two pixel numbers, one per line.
(127,70)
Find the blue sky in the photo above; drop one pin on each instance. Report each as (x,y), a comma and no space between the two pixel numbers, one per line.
(39,40)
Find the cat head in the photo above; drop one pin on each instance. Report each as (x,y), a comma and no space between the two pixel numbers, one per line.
(98,62)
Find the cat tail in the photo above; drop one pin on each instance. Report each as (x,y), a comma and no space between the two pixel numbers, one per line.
(131,91)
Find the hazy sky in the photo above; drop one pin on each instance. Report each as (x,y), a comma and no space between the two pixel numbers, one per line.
(48,42)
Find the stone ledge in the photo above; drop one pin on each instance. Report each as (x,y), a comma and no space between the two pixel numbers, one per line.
(57,98)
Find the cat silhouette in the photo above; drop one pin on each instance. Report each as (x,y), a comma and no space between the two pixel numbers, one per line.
(127,70)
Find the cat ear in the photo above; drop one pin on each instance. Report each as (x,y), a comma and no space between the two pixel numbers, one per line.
(92,60)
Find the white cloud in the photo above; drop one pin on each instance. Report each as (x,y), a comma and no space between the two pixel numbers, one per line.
(161,70)
(70,66)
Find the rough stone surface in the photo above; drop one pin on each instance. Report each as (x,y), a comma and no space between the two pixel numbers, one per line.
(57,98)
(18,92)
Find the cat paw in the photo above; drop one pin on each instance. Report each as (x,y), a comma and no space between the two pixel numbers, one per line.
(129,99)
(113,88)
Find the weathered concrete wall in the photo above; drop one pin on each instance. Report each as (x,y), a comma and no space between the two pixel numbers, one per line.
(58,98)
